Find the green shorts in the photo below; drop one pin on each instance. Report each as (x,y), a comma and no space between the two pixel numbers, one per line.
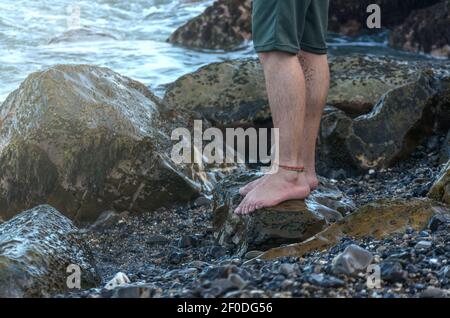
(290,25)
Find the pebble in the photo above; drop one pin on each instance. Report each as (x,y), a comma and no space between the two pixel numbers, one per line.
(325,280)
(433,292)
(120,279)
(423,245)
(176,258)
(354,259)
(287,269)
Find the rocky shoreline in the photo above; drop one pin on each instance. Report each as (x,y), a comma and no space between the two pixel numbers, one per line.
(90,149)
(172,253)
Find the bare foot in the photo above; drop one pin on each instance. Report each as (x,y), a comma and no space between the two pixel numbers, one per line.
(274,189)
(311,179)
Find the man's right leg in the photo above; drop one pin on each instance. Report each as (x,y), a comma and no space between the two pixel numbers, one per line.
(317,77)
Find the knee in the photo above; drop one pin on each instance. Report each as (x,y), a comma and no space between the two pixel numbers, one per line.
(274,56)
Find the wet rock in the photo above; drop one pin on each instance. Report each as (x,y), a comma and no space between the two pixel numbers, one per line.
(377,219)
(120,279)
(292,221)
(441,188)
(425,31)
(224,25)
(393,272)
(85,34)
(85,139)
(354,259)
(36,249)
(325,281)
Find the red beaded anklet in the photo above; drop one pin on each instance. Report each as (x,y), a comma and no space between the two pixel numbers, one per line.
(293,168)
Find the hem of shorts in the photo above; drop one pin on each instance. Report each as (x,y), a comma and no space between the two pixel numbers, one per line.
(277,47)
(313,49)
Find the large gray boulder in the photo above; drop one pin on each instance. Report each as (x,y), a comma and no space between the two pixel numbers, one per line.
(234,92)
(85,139)
(36,249)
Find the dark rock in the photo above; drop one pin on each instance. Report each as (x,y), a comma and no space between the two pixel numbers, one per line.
(188,241)
(176,258)
(85,139)
(36,248)
(289,222)
(224,25)
(392,272)
(354,259)
(349,17)
(444,154)
(217,251)
(326,281)
(425,31)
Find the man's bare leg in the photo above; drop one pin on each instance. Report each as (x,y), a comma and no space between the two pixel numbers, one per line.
(317,76)
(286,91)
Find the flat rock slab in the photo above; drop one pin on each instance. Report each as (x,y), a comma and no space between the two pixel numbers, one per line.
(36,248)
(291,221)
(377,219)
